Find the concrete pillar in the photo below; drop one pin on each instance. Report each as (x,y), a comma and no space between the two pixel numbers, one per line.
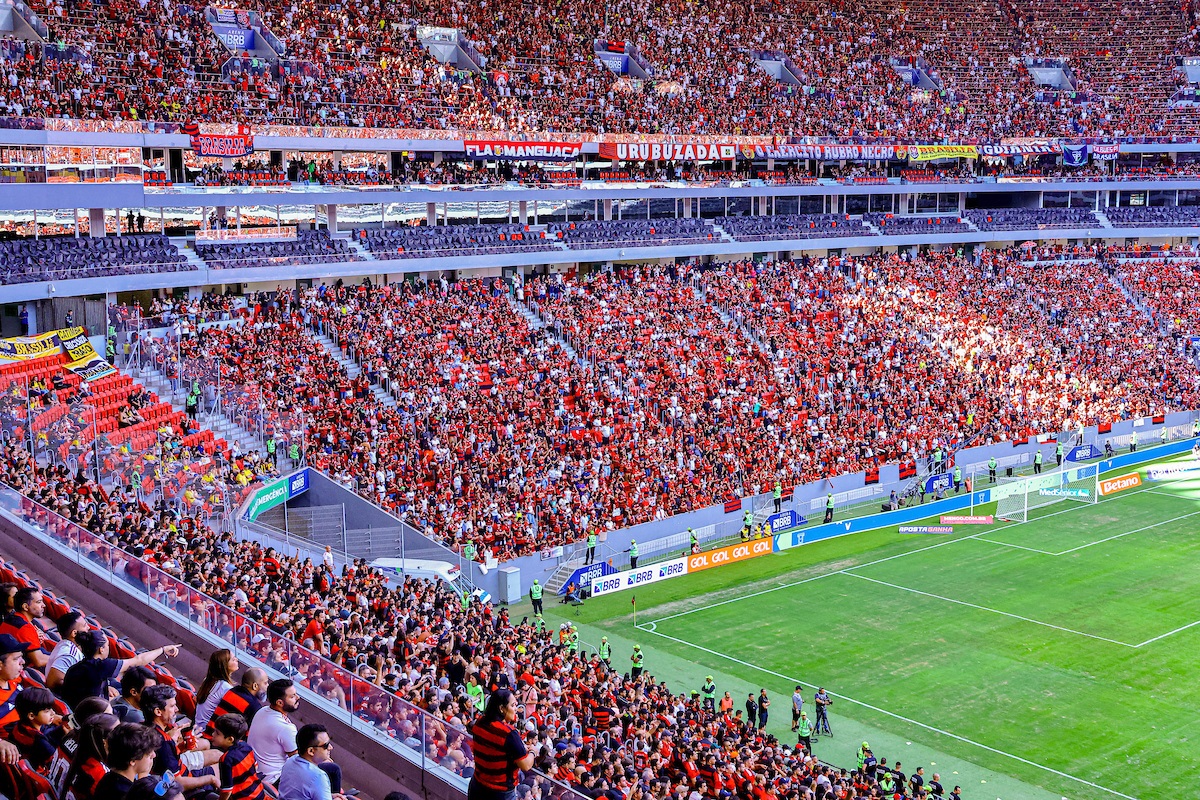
(96,223)
(331,215)
(687,208)
(195,292)
(762,206)
(337,160)
(431,214)
(770,165)
(962,203)
(437,157)
(523,212)
(220,211)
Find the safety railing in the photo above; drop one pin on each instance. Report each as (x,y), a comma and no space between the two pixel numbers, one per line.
(374,711)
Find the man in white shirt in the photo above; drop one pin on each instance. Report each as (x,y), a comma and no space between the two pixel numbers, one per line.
(66,653)
(272,734)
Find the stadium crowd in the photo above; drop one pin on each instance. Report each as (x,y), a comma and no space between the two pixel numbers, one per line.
(537,71)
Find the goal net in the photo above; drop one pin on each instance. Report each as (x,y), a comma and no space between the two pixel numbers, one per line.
(1016,497)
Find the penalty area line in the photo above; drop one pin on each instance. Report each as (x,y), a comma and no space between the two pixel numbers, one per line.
(894,715)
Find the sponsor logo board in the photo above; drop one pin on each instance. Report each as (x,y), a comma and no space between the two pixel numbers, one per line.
(1120,483)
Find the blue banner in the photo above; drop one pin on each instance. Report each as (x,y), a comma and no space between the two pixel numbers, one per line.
(1075,155)
(585,575)
(784,521)
(234,38)
(943,480)
(1084,452)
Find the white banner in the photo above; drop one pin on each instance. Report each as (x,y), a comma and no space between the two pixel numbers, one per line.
(266,234)
(632,578)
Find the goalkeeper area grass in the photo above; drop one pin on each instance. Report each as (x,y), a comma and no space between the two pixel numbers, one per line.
(1056,658)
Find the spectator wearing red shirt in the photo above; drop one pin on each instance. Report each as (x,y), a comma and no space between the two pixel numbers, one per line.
(28,605)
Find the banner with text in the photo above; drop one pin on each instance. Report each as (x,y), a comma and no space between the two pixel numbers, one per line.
(1009,150)
(633,578)
(668,152)
(729,555)
(521,151)
(83,360)
(1106,152)
(213,145)
(934,152)
(825,152)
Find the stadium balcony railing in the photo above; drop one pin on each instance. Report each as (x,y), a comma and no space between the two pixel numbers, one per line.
(253,642)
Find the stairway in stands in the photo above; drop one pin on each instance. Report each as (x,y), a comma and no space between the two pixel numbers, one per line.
(217,422)
(352,369)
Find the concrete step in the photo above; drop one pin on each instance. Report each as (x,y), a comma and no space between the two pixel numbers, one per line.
(352,369)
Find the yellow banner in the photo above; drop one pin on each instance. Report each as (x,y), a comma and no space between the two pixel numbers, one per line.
(932,152)
(21,348)
(84,360)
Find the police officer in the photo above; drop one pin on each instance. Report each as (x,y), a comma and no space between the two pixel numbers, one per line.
(591,547)
(605,651)
(1037,461)
(535,596)
(633,554)
(957,479)
(1058,454)
(992,469)
(829,507)
(708,693)
(637,662)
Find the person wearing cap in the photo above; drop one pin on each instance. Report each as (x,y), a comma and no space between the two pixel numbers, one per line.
(535,596)
(12,666)
(862,754)
(797,707)
(637,662)
(90,676)
(633,554)
(822,701)
(605,651)
(709,694)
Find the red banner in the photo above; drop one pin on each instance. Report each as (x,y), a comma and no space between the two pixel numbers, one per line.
(872,476)
(223,145)
(668,152)
(519,151)
(733,504)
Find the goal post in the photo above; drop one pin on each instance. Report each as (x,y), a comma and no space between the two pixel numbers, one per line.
(1017,497)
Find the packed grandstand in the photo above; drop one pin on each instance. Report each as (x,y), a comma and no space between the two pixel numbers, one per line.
(597,266)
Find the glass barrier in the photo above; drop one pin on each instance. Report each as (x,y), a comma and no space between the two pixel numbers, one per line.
(434,744)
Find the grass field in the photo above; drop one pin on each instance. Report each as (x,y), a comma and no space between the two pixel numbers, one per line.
(1055,658)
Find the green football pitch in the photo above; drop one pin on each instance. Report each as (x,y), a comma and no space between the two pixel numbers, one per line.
(1056,658)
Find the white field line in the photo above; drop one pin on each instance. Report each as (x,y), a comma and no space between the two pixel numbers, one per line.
(1127,533)
(649,628)
(989,610)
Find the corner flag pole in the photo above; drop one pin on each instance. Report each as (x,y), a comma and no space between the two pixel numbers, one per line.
(633,600)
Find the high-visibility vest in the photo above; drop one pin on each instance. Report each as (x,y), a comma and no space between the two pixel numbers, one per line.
(535,592)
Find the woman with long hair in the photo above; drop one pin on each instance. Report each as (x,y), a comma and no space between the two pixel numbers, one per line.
(222,664)
(500,753)
(91,749)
